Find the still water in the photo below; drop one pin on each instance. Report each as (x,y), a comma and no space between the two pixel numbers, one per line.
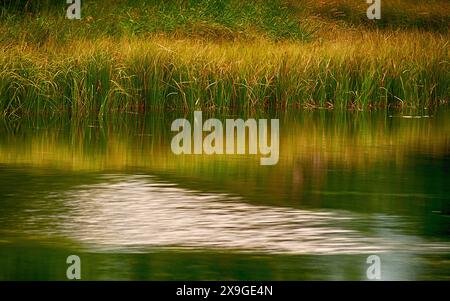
(347,185)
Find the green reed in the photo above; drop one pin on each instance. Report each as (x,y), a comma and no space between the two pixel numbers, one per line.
(141,56)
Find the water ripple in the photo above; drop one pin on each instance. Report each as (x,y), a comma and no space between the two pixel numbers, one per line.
(137,212)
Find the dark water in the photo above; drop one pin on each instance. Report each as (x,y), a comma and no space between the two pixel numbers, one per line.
(110,191)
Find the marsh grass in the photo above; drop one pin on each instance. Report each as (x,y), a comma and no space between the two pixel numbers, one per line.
(210,19)
(136,75)
(214,55)
(433,15)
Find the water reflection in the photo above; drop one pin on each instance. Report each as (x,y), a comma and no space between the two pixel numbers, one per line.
(345,184)
(134,213)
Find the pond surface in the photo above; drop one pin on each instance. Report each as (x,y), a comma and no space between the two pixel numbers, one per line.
(347,186)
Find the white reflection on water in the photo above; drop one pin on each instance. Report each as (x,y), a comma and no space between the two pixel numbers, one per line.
(129,213)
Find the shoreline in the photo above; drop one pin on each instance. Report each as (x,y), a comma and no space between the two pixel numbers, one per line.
(212,55)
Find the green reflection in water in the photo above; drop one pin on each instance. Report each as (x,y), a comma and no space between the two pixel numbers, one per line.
(351,183)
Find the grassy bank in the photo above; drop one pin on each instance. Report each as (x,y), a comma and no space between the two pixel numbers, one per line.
(139,56)
(433,15)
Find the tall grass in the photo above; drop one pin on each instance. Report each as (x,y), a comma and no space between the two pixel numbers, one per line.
(208,54)
(102,76)
(431,15)
(213,19)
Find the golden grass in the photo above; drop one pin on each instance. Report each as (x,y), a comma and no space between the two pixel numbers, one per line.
(356,69)
(342,66)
